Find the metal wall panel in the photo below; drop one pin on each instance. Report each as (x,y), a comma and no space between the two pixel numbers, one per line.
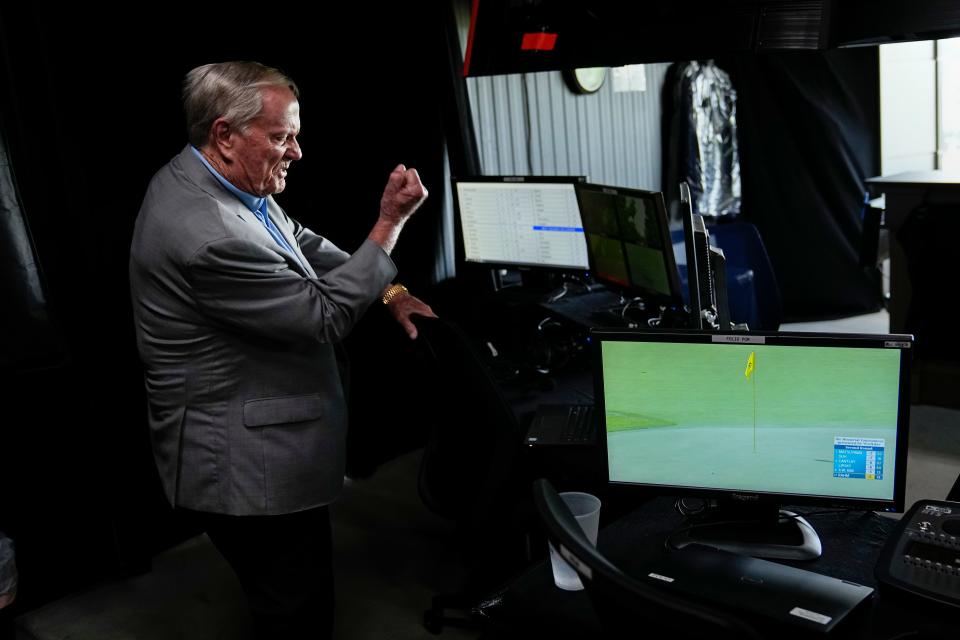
(533,124)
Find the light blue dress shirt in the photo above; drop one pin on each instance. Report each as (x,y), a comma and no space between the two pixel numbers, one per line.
(256,204)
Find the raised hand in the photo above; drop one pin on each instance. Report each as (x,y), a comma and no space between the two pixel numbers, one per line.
(403,194)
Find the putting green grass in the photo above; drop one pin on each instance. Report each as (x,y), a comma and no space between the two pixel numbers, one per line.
(630,421)
(704,384)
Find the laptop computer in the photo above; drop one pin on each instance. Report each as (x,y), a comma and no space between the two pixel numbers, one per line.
(562,425)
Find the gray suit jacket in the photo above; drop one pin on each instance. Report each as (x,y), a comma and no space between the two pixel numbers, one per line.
(246,408)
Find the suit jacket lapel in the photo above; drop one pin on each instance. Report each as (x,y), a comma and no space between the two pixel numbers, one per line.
(278,218)
(201,176)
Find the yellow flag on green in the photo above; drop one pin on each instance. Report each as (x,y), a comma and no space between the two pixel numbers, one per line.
(750,365)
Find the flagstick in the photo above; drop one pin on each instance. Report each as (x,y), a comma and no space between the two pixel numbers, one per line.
(753,377)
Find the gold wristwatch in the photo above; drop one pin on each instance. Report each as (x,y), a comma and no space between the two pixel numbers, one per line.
(392,292)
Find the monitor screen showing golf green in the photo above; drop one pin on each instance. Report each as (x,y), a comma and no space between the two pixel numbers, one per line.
(798,418)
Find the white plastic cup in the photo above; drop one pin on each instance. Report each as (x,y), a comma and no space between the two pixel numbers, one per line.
(586,509)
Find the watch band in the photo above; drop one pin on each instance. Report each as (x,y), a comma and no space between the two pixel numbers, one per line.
(392,292)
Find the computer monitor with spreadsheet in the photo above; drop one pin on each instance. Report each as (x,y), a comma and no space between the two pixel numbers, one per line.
(762,420)
(521,221)
(629,241)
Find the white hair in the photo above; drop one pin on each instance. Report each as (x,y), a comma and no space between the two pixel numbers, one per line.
(229,90)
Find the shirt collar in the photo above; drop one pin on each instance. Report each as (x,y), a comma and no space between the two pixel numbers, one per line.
(252,202)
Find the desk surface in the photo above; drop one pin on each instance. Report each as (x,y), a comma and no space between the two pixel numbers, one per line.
(933,177)
(531,606)
(852,541)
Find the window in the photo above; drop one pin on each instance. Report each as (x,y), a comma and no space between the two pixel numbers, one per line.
(920,106)
(948,104)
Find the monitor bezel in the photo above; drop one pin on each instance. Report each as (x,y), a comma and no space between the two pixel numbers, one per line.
(693,268)
(675,297)
(510,179)
(905,345)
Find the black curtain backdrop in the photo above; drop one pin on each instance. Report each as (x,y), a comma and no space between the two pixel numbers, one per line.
(28,337)
(92,109)
(809,136)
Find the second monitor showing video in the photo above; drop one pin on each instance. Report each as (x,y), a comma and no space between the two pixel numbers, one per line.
(629,241)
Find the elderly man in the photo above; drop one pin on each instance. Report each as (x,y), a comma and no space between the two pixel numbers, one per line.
(237,307)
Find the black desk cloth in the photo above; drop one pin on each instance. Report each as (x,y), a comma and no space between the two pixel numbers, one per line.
(531,606)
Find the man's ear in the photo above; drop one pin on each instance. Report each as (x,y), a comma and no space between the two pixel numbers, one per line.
(221,135)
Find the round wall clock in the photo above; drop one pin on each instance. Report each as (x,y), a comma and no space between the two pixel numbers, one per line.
(586,79)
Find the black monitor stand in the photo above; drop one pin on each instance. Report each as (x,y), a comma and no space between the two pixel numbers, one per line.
(541,280)
(761,531)
(534,285)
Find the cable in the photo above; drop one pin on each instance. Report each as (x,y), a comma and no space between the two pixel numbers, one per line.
(525,96)
(823,512)
(905,634)
(633,302)
(587,396)
(680,505)
(558,293)
(570,278)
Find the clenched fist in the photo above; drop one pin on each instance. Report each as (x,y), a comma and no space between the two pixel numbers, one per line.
(402,195)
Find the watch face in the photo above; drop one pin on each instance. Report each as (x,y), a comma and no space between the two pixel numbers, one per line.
(587,79)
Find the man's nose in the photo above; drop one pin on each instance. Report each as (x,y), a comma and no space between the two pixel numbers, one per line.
(293,150)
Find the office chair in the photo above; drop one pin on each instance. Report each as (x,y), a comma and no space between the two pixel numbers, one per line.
(744,249)
(470,469)
(626,606)
(954,494)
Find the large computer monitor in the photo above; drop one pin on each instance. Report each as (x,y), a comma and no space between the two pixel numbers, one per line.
(757,420)
(521,221)
(628,240)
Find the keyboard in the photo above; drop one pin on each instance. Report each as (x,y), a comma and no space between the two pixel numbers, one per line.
(562,424)
(800,599)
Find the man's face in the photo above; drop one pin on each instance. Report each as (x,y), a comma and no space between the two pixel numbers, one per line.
(263,153)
